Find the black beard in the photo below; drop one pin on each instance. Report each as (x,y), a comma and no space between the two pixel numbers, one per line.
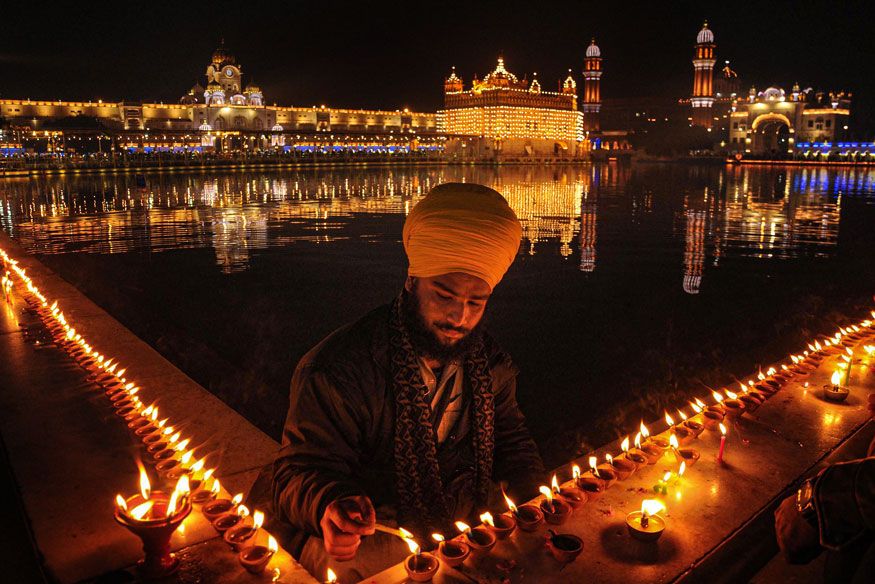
(426,343)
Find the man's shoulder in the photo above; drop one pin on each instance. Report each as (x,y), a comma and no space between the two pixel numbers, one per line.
(499,360)
(353,344)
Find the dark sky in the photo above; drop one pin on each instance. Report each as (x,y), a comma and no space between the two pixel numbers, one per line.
(388,55)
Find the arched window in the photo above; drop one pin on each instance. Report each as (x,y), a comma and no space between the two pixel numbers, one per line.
(239,122)
(219,124)
(258,124)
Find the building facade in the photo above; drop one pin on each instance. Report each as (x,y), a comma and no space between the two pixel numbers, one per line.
(504,116)
(702,99)
(224,114)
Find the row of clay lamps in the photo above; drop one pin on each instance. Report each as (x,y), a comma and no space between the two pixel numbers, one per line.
(166,455)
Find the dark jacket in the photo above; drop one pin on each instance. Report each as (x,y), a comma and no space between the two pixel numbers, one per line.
(338,438)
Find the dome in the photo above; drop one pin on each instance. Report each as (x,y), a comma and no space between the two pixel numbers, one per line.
(276,128)
(705,35)
(252,88)
(205,127)
(221,55)
(501,77)
(773,94)
(213,86)
(593,50)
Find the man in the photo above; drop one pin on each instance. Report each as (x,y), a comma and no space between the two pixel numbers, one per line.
(410,414)
(834,511)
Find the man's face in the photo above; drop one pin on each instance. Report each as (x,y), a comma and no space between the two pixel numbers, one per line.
(449,308)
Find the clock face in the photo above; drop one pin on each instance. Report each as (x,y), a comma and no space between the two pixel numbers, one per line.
(229,72)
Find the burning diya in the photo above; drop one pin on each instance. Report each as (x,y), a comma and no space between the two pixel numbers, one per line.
(421,566)
(479,539)
(646,525)
(683,433)
(452,552)
(571,495)
(223,523)
(732,405)
(203,495)
(241,534)
(651,448)
(528,517)
(563,546)
(622,466)
(636,455)
(835,391)
(592,486)
(501,525)
(256,557)
(219,507)
(696,426)
(153,517)
(688,456)
(555,510)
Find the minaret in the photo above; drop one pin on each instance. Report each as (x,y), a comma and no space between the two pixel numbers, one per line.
(592,99)
(703,78)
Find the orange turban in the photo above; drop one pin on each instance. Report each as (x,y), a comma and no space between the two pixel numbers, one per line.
(461,227)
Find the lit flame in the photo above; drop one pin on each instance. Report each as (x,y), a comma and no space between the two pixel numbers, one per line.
(243,511)
(487,519)
(652,506)
(404,533)
(510,503)
(593,463)
(140,510)
(186,458)
(414,547)
(817,345)
(669,420)
(120,501)
(624,445)
(145,486)
(437,537)
(673,441)
(272,545)
(171,506)
(181,446)
(699,403)
(836,378)
(183,486)
(771,371)
(682,468)
(722,429)
(644,431)
(666,476)
(870,349)
(465,528)
(554,484)
(717,397)
(682,415)
(258,519)
(548,494)
(795,359)
(731,395)
(575,472)
(237,499)
(216,487)
(330,577)
(609,458)
(638,440)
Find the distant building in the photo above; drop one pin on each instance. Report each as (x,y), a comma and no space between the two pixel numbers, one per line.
(224,114)
(504,116)
(702,99)
(771,122)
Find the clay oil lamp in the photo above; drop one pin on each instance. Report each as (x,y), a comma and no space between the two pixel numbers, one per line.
(683,433)
(421,566)
(501,525)
(218,507)
(479,539)
(636,455)
(571,494)
(711,418)
(167,442)
(652,450)
(223,523)
(718,403)
(592,486)
(256,557)
(686,456)
(622,466)
(563,546)
(153,516)
(646,525)
(835,391)
(814,357)
(603,472)
(452,552)
(202,495)
(766,381)
(555,510)
(733,406)
(693,424)
(243,533)
(528,517)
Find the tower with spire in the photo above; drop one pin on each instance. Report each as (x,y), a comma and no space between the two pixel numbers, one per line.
(702,99)
(592,75)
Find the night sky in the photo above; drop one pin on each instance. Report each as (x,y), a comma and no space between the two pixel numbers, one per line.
(390,55)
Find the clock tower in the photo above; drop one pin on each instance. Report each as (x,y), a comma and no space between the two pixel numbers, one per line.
(224,70)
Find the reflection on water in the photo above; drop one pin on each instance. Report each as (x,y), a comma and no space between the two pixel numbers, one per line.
(735,211)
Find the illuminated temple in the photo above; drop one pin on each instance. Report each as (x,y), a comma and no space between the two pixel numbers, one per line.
(505,117)
(223,114)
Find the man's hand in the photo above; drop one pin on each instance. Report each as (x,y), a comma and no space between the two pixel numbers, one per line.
(796,537)
(344,523)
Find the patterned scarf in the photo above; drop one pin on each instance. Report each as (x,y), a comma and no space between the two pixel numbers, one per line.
(418,479)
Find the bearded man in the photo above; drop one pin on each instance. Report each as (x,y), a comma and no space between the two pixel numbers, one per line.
(409,415)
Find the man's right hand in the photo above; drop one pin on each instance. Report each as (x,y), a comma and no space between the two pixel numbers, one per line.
(344,522)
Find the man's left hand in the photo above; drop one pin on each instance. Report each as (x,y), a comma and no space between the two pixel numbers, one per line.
(798,540)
